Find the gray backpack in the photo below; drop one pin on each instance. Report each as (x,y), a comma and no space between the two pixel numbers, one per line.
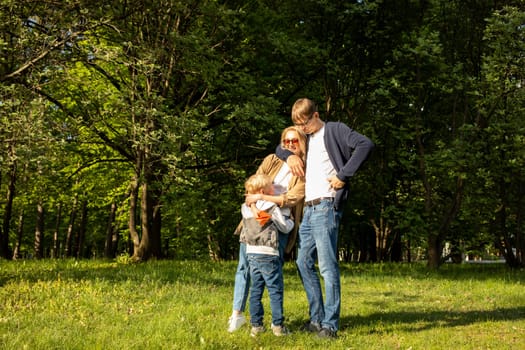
(254,234)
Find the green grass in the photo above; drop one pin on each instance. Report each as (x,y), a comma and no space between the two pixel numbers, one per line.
(185,305)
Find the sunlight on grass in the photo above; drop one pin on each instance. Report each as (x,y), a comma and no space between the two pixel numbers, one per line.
(185,305)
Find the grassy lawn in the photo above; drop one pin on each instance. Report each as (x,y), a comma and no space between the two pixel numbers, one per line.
(185,305)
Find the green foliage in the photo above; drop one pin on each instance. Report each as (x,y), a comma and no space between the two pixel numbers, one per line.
(187,98)
(501,129)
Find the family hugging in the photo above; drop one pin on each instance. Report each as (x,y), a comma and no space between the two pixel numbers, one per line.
(297,192)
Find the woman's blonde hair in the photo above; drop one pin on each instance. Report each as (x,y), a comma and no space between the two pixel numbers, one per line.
(301,136)
(257,182)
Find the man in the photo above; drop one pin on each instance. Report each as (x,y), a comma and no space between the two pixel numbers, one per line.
(334,154)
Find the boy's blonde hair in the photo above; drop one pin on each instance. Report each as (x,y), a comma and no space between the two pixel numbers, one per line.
(302,110)
(257,182)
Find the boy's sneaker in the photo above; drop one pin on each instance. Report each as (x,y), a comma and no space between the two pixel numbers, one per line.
(235,322)
(280,330)
(256,330)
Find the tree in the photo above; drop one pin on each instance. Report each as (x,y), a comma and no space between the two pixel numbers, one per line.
(153,115)
(127,83)
(501,106)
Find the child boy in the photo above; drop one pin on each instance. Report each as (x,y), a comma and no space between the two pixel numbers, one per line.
(262,223)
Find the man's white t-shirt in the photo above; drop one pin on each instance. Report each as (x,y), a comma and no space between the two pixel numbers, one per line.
(318,168)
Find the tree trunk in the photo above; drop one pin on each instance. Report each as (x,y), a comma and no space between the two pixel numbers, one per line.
(143,251)
(409,251)
(396,251)
(132,224)
(81,235)
(213,249)
(155,236)
(39,231)
(382,233)
(55,253)
(150,214)
(368,242)
(19,235)
(435,241)
(434,251)
(111,243)
(520,239)
(503,243)
(5,251)
(504,239)
(69,235)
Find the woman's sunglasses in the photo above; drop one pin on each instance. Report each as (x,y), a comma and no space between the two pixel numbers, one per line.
(291,141)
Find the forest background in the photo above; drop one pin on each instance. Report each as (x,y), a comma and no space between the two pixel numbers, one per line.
(128,127)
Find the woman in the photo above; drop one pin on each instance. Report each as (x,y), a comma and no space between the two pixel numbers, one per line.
(289,195)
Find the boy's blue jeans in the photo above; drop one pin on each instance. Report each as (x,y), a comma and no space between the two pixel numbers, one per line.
(266,271)
(318,241)
(242,275)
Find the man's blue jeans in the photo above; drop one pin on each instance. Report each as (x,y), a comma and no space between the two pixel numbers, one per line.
(318,241)
(242,275)
(266,271)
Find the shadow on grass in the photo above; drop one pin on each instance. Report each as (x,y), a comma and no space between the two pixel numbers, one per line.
(413,321)
(379,323)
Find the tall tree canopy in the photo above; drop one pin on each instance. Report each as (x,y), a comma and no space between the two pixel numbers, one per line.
(129,127)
